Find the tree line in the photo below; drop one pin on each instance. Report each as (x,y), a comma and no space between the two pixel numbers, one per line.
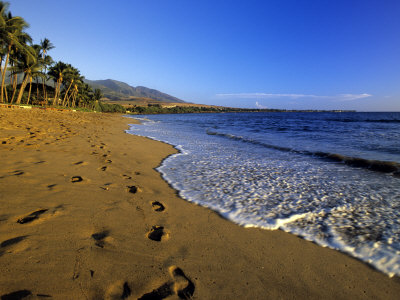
(159,109)
(34,77)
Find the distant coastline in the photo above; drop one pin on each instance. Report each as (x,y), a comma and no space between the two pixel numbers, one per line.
(178,109)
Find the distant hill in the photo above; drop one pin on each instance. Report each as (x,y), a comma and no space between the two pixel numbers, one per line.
(117,90)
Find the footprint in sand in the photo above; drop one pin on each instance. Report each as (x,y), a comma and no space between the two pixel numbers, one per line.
(126,176)
(106,186)
(3,217)
(16,295)
(31,217)
(180,285)
(103,168)
(133,189)
(157,206)
(99,238)
(51,186)
(21,294)
(119,290)
(157,233)
(76,179)
(10,242)
(18,172)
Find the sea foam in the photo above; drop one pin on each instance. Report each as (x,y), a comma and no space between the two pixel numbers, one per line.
(349,208)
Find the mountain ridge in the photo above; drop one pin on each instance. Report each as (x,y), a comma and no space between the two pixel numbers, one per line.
(118,90)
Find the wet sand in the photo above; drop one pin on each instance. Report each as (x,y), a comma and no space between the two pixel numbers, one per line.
(84,215)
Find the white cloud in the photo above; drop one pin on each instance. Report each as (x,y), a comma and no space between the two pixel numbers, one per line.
(340,97)
(350,97)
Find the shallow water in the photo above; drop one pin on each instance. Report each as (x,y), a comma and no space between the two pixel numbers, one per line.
(332,178)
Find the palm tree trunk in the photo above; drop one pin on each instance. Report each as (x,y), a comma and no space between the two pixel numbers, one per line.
(6,94)
(15,82)
(3,74)
(45,93)
(44,89)
(21,90)
(1,62)
(66,93)
(70,96)
(37,89)
(73,100)
(30,88)
(57,91)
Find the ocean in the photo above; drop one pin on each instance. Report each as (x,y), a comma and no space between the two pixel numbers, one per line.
(331,178)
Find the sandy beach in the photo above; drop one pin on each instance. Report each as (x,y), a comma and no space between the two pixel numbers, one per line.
(84,215)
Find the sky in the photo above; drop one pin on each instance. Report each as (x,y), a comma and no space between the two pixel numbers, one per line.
(285,54)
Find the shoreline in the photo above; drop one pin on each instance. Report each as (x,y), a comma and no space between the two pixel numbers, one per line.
(91,190)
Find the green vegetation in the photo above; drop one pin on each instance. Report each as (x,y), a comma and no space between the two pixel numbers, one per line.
(158,109)
(26,64)
(106,107)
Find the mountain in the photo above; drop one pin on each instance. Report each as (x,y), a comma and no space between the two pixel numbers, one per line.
(117,90)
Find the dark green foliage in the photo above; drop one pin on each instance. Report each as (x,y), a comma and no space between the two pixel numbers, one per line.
(97,94)
(105,107)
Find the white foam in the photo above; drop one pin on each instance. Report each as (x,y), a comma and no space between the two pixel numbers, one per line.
(351,210)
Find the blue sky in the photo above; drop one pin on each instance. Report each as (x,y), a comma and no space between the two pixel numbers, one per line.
(278,54)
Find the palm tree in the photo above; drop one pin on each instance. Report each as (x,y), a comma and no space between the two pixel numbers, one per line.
(3,53)
(3,48)
(72,77)
(86,95)
(37,49)
(57,73)
(30,66)
(11,31)
(47,62)
(75,93)
(46,45)
(16,55)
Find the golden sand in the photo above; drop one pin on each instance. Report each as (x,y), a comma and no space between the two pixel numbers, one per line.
(84,215)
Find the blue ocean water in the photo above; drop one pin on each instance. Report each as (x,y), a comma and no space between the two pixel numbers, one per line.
(332,178)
